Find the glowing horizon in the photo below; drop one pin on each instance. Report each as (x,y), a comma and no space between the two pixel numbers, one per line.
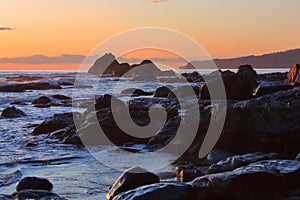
(225,29)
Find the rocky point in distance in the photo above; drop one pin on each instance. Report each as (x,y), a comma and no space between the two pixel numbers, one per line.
(108,65)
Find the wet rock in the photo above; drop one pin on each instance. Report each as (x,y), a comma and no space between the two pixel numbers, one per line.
(216,155)
(136,92)
(237,161)
(12,112)
(60,97)
(172,191)
(267,179)
(21,87)
(270,123)
(42,100)
(36,194)
(18,102)
(294,74)
(272,87)
(104,102)
(131,179)
(276,76)
(34,183)
(188,172)
(185,91)
(56,122)
(163,91)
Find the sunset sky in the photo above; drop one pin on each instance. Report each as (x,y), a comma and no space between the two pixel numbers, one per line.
(224,28)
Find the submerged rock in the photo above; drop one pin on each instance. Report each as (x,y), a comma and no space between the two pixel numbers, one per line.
(34,183)
(12,112)
(131,179)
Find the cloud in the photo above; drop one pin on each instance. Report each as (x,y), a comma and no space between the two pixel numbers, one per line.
(138,60)
(158,1)
(5,29)
(41,59)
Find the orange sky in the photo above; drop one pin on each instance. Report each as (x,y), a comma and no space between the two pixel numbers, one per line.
(224,28)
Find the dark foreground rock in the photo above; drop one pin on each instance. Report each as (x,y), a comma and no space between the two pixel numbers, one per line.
(271,87)
(131,179)
(270,123)
(267,179)
(36,194)
(51,124)
(21,87)
(34,183)
(237,161)
(12,112)
(238,86)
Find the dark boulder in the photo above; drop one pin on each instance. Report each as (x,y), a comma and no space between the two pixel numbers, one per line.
(60,97)
(104,102)
(42,100)
(34,183)
(171,191)
(12,112)
(36,194)
(294,74)
(272,87)
(237,161)
(21,87)
(131,179)
(56,122)
(185,91)
(163,91)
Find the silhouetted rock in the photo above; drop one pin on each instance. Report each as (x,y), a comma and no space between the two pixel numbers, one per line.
(163,91)
(272,87)
(12,112)
(131,179)
(294,74)
(193,77)
(60,97)
(34,183)
(171,191)
(237,86)
(36,194)
(51,124)
(21,87)
(145,71)
(237,161)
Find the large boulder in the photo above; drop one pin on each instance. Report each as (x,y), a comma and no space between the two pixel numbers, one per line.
(34,183)
(238,86)
(21,87)
(36,194)
(171,191)
(12,112)
(163,91)
(56,122)
(270,123)
(237,161)
(266,179)
(268,88)
(294,74)
(131,179)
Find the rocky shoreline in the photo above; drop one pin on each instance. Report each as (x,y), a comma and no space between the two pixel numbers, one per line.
(256,156)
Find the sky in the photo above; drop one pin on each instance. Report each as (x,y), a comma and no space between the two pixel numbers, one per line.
(54,28)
